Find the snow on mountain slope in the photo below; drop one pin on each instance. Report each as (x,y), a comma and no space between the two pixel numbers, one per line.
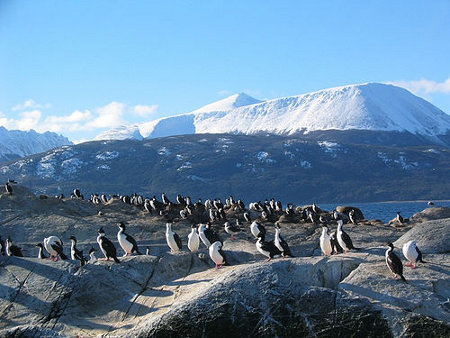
(370,106)
(16,143)
(121,133)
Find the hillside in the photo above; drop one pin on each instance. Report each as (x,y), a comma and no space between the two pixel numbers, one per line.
(254,167)
(17,143)
(369,107)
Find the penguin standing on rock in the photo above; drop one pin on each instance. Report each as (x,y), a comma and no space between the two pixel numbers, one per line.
(54,247)
(202,231)
(75,254)
(193,239)
(343,238)
(92,258)
(394,263)
(325,241)
(231,229)
(281,244)
(11,249)
(127,242)
(217,255)
(107,247)
(172,238)
(8,188)
(268,249)
(412,254)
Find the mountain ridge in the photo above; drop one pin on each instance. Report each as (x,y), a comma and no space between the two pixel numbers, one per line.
(368,106)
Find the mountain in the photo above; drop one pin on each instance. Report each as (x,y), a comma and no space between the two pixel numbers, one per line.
(370,106)
(15,143)
(251,167)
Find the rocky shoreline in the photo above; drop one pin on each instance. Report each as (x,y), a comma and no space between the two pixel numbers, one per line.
(168,295)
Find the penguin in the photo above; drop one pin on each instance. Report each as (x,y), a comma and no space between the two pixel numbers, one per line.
(325,242)
(281,244)
(54,247)
(2,247)
(11,249)
(268,249)
(193,239)
(164,198)
(247,217)
(173,240)
(12,181)
(107,247)
(127,242)
(77,193)
(75,254)
(343,238)
(231,229)
(8,188)
(430,203)
(399,218)
(412,254)
(217,255)
(257,229)
(147,250)
(92,258)
(351,215)
(202,235)
(394,263)
(41,254)
(211,234)
(337,249)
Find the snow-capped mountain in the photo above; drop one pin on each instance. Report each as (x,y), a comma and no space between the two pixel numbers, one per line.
(17,143)
(370,106)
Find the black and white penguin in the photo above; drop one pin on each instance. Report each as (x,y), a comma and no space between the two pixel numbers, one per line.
(337,249)
(217,255)
(172,238)
(352,217)
(268,249)
(77,193)
(127,242)
(11,249)
(257,229)
(212,235)
(399,218)
(247,217)
(147,250)
(343,238)
(193,239)
(8,188)
(325,242)
(394,263)
(2,247)
(412,254)
(75,254)
(430,203)
(41,254)
(54,247)
(106,246)
(202,231)
(92,258)
(164,198)
(231,229)
(281,244)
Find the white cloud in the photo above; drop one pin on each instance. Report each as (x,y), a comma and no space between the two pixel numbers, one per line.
(425,86)
(30,104)
(108,116)
(27,120)
(142,110)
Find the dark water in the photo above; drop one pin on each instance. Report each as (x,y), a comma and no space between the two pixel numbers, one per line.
(388,210)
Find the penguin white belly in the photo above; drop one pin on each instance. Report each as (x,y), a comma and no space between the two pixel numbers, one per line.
(47,244)
(341,241)
(193,242)
(215,256)
(325,245)
(278,244)
(126,246)
(72,253)
(204,239)
(409,252)
(171,243)
(255,231)
(99,241)
(261,250)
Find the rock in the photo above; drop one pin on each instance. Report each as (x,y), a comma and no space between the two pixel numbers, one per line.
(431,214)
(346,209)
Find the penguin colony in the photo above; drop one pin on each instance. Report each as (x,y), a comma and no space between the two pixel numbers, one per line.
(210,214)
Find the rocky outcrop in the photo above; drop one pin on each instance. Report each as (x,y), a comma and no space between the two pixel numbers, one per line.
(431,214)
(168,295)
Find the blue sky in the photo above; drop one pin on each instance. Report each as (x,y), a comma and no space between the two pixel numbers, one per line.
(80,67)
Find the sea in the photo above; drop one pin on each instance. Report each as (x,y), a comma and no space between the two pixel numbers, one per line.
(386,211)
